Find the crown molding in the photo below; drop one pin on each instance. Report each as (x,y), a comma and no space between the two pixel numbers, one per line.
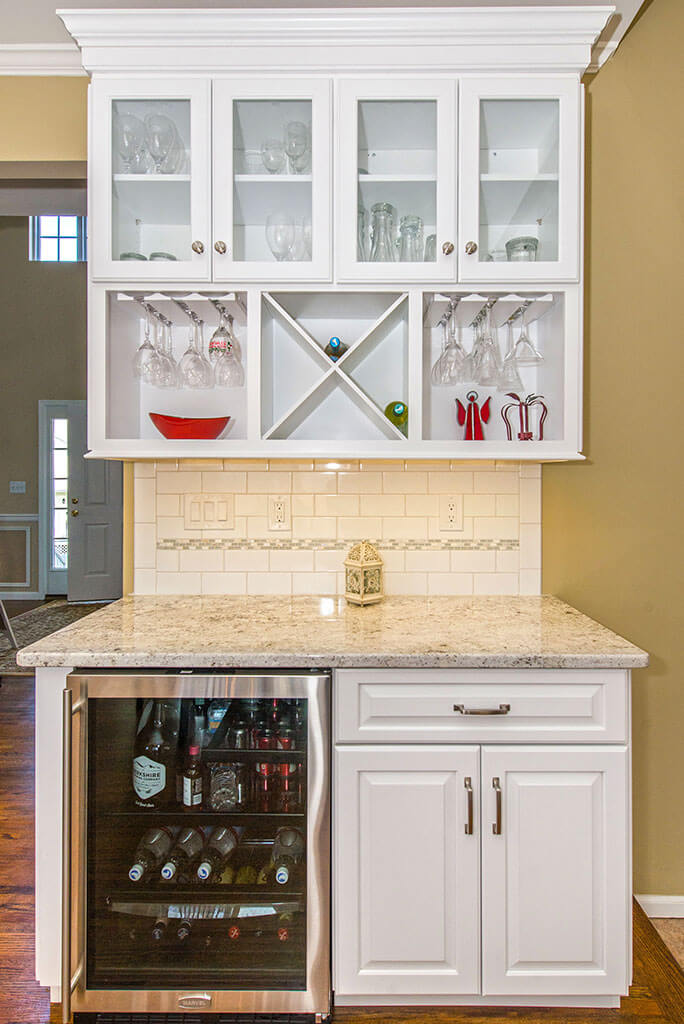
(329,40)
(40,59)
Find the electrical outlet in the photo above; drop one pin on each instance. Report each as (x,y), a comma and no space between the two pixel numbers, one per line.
(279,517)
(451,512)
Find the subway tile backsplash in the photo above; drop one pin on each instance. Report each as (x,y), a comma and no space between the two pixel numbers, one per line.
(395,505)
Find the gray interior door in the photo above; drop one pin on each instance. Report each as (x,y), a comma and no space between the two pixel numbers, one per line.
(95,520)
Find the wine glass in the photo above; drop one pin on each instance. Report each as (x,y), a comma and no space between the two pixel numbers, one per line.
(273,155)
(194,369)
(228,371)
(525,352)
(220,340)
(129,139)
(146,363)
(168,370)
(510,379)
(296,145)
(160,134)
(489,363)
(280,234)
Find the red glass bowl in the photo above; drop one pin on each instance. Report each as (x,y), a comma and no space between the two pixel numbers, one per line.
(189,428)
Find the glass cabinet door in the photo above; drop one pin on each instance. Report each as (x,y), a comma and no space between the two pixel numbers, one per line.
(271,180)
(396,160)
(519,180)
(151,180)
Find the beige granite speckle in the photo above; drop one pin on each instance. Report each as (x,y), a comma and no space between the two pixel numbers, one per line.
(312,632)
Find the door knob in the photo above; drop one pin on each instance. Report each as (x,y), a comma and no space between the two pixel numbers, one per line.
(198,247)
(74,511)
(221,247)
(74,501)
(447,248)
(470,248)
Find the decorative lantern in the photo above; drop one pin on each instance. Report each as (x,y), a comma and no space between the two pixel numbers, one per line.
(363,575)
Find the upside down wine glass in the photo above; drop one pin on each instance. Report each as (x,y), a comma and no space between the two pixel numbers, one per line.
(146,362)
(194,369)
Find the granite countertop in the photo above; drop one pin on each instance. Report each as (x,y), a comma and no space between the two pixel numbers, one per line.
(326,632)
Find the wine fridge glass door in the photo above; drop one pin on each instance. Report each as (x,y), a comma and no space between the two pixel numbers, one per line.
(206,833)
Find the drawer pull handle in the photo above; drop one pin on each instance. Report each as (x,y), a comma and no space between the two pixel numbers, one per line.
(496,827)
(468,783)
(502,709)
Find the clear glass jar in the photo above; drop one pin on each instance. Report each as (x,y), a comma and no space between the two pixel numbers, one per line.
(411,239)
(361,235)
(382,228)
(522,250)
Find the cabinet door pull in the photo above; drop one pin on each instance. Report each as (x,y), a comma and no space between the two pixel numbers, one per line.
(496,827)
(468,783)
(502,709)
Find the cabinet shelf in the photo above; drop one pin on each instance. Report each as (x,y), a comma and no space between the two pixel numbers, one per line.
(151,179)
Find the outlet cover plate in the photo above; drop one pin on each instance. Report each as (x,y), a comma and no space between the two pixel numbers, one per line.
(209,511)
(279,512)
(451,512)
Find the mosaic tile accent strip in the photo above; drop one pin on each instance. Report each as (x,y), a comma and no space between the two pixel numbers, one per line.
(242,544)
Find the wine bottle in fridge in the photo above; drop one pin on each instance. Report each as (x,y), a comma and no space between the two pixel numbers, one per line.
(150,852)
(217,853)
(186,851)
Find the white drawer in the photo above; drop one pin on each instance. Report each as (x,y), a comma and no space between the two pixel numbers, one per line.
(437,705)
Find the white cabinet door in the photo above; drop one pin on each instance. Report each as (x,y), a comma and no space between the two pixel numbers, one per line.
(150,179)
(556,911)
(272,179)
(520,179)
(406,874)
(396,181)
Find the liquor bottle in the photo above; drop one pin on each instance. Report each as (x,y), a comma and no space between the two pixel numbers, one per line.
(188,847)
(150,852)
(397,413)
(288,850)
(217,852)
(215,714)
(159,930)
(198,724)
(335,348)
(193,780)
(154,761)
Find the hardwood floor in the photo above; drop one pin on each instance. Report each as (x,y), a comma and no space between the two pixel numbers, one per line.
(656,997)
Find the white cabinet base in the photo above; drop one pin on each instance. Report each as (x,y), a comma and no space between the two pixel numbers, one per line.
(600,1002)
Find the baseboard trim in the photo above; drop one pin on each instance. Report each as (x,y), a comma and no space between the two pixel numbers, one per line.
(601,1002)
(662,906)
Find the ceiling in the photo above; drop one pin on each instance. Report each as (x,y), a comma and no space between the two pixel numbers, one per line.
(32,27)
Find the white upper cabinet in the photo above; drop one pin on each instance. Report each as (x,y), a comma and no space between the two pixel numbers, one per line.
(396,157)
(271,209)
(150,179)
(519,183)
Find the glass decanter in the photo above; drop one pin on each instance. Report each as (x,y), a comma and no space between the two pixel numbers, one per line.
(382,225)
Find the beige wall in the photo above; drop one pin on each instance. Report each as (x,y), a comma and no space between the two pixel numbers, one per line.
(42,353)
(613,526)
(43,118)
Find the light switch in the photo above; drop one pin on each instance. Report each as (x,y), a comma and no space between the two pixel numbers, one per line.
(17,487)
(209,511)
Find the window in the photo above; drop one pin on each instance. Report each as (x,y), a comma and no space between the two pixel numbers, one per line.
(60,482)
(57,239)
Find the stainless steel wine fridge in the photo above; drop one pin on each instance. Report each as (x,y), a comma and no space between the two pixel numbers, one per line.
(196,856)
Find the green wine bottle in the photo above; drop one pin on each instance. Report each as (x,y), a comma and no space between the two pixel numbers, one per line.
(335,348)
(397,413)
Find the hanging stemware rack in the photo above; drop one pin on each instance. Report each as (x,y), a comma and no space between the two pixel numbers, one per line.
(470,308)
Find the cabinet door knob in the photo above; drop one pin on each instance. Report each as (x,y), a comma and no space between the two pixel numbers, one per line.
(74,501)
(447,248)
(470,248)
(198,247)
(74,511)
(221,247)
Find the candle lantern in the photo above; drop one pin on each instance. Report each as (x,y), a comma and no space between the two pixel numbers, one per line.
(363,574)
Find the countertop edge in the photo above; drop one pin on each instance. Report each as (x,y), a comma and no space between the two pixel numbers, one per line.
(426,659)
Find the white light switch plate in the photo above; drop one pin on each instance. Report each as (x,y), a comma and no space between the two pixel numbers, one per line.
(209,511)
(17,486)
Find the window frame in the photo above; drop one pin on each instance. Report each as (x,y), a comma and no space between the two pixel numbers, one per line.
(36,238)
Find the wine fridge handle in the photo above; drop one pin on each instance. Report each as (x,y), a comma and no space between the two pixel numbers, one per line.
(67,713)
(69,709)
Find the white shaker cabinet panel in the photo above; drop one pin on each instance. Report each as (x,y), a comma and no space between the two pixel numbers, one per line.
(407,906)
(555,880)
